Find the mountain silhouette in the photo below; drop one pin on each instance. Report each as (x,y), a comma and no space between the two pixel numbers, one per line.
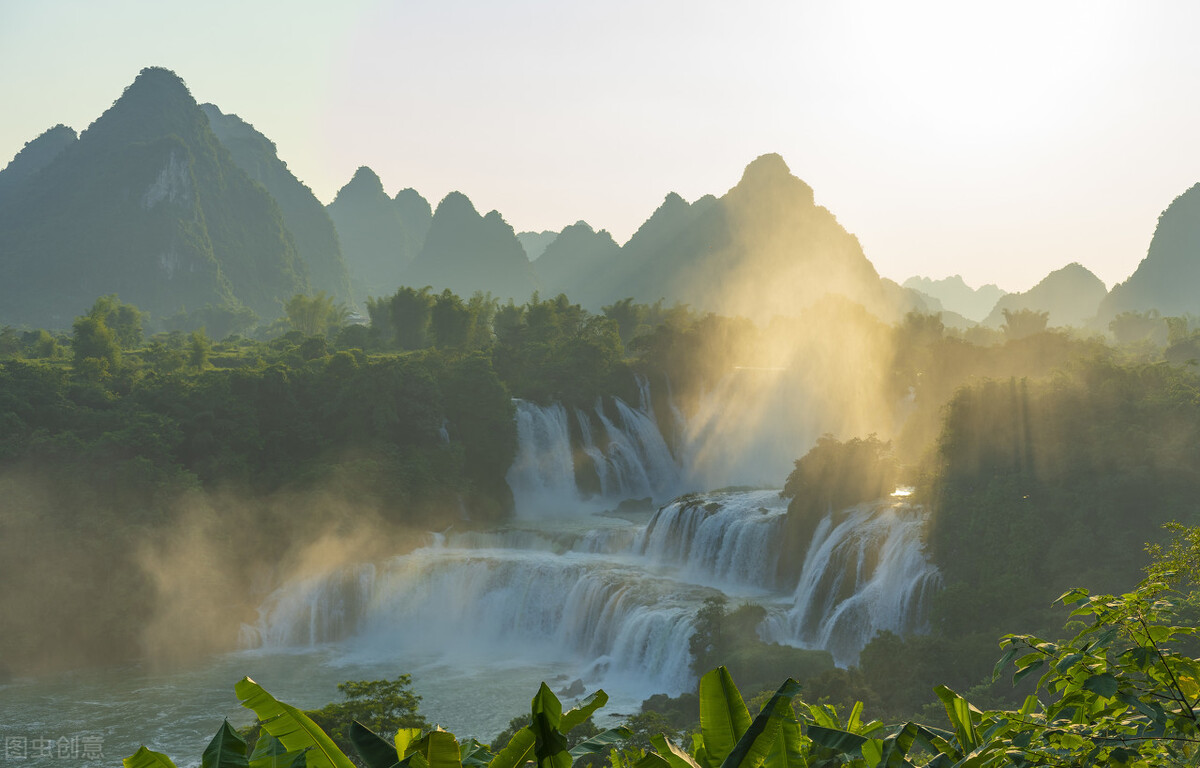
(147,204)
(575,261)
(765,248)
(375,243)
(954,295)
(1167,278)
(1071,295)
(305,217)
(466,252)
(36,155)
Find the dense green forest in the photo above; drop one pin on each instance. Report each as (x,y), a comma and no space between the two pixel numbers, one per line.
(1063,453)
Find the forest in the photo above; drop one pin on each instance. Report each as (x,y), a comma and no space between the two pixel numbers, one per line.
(1048,459)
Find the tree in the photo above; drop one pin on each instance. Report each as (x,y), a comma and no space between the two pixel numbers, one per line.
(125,320)
(198,349)
(384,706)
(451,321)
(94,340)
(1132,327)
(1021,323)
(315,315)
(410,315)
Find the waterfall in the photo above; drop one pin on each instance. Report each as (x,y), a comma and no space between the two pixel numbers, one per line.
(865,571)
(726,539)
(542,476)
(478,605)
(627,453)
(618,599)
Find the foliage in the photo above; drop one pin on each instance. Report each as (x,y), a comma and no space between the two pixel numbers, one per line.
(832,476)
(384,706)
(94,340)
(1021,323)
(732,636)
(315,315)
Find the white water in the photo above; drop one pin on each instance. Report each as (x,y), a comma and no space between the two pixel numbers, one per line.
(627,455)
(562,593)
(614,604)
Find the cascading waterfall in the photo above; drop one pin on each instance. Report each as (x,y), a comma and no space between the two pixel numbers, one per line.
(612,598)
(730,540)
(476,605)
(864,572)
(627,453)
(542,475)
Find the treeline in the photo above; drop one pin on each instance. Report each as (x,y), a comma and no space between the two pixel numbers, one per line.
(104,431)
(1035,486)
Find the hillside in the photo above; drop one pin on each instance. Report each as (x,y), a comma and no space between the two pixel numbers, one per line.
(467,252)
(1166,279)
(306,219)
(149,205)
(1071,295)
(375,242)
(765,248)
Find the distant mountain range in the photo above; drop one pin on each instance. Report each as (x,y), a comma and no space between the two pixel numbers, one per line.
(954,295)
(176,206)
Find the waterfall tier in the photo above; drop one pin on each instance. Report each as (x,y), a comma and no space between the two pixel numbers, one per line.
(618,599)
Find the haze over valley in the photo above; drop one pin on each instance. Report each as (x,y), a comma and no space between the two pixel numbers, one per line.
(402,454)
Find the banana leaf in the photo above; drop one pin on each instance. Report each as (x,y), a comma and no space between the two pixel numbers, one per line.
(723,717)
(292,727)
(144,758)
(226,750)
(375,751)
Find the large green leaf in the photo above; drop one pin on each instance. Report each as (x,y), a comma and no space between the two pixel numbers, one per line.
(405,737)
(600,742)
(375,751)
(226,750)
(671,753)
(144,758)
(787,746)
(963,717)
(723,716)
(583,711)
(758,739)
(292,727)
(518,750)
(842,742)
(895,748)
(550,745)
(269,753)
(439,748)
(474,754)
(651,760)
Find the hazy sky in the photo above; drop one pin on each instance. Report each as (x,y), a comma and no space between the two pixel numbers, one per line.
(993,140)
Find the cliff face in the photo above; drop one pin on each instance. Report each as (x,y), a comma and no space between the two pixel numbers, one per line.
(306,219)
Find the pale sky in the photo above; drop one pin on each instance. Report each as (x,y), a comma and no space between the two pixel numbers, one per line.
(998,141)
